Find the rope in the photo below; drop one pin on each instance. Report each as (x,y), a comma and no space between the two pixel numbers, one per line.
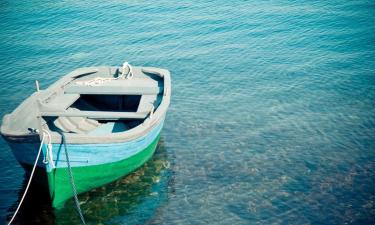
(28,183)
(129,75)
(48,158)
(78,208)
(98,81)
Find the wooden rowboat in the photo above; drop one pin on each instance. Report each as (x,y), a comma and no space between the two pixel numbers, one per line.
(108,118)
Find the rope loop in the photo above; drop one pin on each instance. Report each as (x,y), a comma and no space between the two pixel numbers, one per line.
(49,155)
(129,74)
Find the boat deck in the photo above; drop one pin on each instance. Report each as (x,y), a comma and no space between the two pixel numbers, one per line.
(91,101)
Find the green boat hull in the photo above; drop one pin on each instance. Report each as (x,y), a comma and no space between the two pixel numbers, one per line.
(90,177)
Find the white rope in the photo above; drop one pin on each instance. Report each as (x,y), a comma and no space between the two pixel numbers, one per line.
(49,156)
(129,75)
(28,184)
(98,81)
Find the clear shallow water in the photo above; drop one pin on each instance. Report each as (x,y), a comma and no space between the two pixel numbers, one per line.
(272,118)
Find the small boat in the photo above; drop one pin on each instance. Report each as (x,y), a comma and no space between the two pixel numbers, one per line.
(96,123)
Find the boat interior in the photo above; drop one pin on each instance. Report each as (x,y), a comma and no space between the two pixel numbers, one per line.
(91,101)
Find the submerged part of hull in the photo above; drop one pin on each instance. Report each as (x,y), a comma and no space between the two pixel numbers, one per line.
(90,177)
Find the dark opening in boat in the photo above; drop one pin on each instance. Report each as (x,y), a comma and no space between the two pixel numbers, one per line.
(104,103)
(117,103)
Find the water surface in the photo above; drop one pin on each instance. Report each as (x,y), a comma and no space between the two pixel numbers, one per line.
(272,119)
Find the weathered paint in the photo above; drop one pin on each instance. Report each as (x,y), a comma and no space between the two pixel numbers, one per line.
(93,165)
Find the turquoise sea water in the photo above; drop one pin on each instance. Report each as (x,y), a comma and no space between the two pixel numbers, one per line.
(272,118)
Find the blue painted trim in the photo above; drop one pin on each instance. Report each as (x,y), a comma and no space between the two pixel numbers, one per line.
(84,154)
(96,154)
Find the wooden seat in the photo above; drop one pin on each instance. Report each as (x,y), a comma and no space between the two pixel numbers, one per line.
(61,102)
(135,86)
(96,114)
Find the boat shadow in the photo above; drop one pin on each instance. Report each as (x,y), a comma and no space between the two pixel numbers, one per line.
(36,207)
(130,200)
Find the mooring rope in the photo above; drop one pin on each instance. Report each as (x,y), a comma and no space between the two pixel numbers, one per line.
(72,181)
(29,182)
(98,81)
